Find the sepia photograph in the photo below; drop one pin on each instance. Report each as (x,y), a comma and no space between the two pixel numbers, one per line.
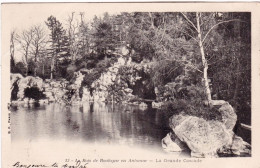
(104,82)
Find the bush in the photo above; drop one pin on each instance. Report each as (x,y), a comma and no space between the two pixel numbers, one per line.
(70,71)
(192,108)
(34,93)
(188,96)
(96,72)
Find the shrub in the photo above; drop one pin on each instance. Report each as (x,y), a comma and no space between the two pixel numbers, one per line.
(34,93)
(193,108)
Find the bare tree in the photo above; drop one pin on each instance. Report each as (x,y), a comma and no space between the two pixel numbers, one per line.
(25,41)
(200,40)
(72,36)
(12,40)
(39,43)
(83,37)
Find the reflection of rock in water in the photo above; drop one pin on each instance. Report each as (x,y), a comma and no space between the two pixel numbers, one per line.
(92,122)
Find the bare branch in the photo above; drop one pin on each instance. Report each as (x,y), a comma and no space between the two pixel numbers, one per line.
(151,19)
(189,35)
(185,63)
(189,21)
(164,29)
(217,25)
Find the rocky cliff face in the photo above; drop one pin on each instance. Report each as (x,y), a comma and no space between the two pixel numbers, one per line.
(108,87)
(26,82)
(112,84)
(102,84)
(54,90)
(207,138)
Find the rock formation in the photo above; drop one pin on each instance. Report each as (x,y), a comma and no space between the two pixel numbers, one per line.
(206,138)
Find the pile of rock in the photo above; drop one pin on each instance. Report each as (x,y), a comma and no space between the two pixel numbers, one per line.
(54,90)
(26,82)
(104,85)
(109,86)
(206,138)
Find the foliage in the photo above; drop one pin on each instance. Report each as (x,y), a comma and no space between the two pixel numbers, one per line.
(192,108)
(59,42)
(166,43)
(20,68)
(34,93)
(165,71)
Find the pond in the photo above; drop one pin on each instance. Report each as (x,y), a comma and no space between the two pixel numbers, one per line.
(92,123)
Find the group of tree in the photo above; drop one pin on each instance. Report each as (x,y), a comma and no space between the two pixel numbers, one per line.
(210,49)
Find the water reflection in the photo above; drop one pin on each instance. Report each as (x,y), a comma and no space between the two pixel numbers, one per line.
(91,122)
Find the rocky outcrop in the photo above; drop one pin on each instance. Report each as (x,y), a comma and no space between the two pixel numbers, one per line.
(52,89)
(55,90)
(110,87)
(201,136)
(237,147)
(171,143)
(227,112)
(205,138)
(28,82)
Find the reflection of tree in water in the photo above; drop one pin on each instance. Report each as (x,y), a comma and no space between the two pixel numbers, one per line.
(143,126)
(98,122)
(91,108)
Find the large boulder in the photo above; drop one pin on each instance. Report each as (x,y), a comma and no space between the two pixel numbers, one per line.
(237,147)
(202,136)
(227,112)
(171,143)
(207,137)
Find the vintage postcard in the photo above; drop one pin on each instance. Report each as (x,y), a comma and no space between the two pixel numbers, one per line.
(92,85)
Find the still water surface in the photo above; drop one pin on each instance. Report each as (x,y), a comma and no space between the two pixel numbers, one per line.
(94,123)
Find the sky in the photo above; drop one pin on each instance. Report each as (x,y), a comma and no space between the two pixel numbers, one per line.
(22,16)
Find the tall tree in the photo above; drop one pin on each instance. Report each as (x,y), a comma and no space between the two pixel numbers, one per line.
(25,41)
(12,40)
(39,43)
(72,36)
(84,38)
(103,36)
(200,39)
(58,42)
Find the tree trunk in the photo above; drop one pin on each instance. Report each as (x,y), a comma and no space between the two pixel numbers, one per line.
(12,51)
(35,71)
(204,61)
(26,65)
(52,66)
(43,70)
(35,61)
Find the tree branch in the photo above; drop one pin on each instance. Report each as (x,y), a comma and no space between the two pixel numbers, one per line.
(164,29)
(189,35)
(217,25)
(189,21)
